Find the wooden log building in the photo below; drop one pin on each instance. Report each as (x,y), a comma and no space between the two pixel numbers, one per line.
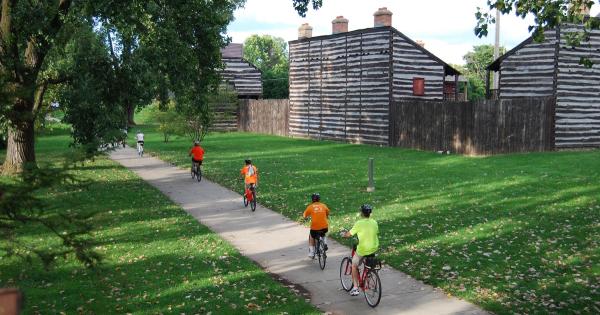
(552,68)
(342,85)
(243,78)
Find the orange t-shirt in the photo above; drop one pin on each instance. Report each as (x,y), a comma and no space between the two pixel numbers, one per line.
(318,212)
(250,174)
(197,153)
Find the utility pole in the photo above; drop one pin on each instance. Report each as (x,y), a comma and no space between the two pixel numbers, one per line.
(497,49)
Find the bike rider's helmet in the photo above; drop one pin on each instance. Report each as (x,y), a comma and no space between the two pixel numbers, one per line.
(316,197)
(197,142)
(248,161)
(366,209)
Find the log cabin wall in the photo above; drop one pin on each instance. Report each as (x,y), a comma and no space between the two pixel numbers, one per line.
(578,93)
(339,86)
(410,62)
(528,70)
(243,77)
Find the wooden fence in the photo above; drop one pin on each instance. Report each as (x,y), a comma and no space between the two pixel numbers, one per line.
(474,128)
(264,116)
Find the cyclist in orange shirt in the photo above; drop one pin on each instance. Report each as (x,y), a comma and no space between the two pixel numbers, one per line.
(197,153)
(319,213)
(250,174)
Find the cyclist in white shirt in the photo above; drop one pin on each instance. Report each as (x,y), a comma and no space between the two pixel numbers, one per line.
(140,139)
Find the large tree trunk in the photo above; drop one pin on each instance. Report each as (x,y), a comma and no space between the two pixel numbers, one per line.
(130,114)
(20,147)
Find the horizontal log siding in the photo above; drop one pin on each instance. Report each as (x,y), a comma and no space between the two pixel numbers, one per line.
(226,116)
(411,62)
(578,93)
(264,116)
(339,87)
(474,128)
(529,72)
(245,79)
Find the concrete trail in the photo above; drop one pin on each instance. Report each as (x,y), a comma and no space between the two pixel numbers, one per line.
(279,245)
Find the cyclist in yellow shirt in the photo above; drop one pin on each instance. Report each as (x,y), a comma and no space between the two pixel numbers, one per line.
(366,229)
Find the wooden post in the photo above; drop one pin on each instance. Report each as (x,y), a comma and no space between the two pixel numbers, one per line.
(371,187)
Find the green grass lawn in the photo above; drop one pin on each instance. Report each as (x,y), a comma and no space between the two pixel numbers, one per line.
(157,258)
(513,233)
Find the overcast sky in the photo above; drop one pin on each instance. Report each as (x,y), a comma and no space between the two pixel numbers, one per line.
(445,26)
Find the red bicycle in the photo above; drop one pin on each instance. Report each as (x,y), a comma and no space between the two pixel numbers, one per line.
(368,277)
(250,196)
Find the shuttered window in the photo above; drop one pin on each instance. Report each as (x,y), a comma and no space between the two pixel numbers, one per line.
(418,86)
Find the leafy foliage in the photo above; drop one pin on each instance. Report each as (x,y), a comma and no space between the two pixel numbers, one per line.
(476,62)
(170,122)
(21,205)
(269,54)
(302,6)
(548,14)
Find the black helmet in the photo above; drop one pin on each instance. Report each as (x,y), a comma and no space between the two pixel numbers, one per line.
(248,161)
(366,209)
(316,197)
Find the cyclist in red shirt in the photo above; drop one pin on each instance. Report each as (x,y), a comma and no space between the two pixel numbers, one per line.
(197,153)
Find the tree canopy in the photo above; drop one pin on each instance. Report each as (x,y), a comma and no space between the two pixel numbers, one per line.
(269,54)
(546,13)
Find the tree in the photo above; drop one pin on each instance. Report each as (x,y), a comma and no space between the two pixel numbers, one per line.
(478,60)
(301,6)
(269,54)
(184,37)
(546,13)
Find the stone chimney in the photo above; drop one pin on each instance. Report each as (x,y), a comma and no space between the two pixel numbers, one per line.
(339,25)
(420,43)
(305,31)
(383,17)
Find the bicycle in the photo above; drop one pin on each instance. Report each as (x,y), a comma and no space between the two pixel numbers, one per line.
(321,251)
(140,148)
(368,277)
(250,196)
(196,171)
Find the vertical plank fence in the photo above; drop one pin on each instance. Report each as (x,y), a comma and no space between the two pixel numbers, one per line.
(264,116)
(474,128)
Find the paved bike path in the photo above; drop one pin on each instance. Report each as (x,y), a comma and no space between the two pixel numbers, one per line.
(279,245)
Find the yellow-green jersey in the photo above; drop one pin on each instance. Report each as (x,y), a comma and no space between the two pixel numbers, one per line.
(368,242)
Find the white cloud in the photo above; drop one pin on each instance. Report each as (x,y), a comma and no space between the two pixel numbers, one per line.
(445,26)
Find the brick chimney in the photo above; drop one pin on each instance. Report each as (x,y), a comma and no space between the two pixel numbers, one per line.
(305,31)
(383,17)
(420,43)
(339,25)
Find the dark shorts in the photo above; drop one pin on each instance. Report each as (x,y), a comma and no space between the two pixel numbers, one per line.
(316,233)
(141,142)
(197,161)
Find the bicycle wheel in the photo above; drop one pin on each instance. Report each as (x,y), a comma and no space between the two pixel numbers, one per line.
(322,253)
(199,173)
(372,288)
(253,201)
(193,172)
(346,274)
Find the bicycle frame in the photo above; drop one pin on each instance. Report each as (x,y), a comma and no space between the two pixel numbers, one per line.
(362,276)
(248,191)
